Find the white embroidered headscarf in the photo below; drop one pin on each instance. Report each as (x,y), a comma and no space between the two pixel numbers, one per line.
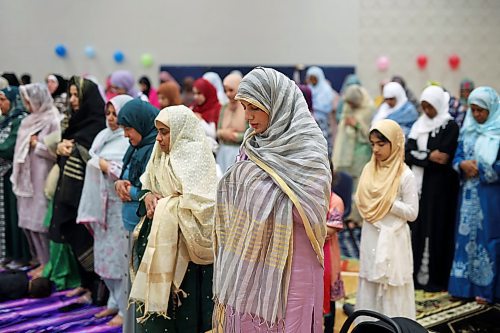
(288,167)
(111,146)
(42,113)
(182,225)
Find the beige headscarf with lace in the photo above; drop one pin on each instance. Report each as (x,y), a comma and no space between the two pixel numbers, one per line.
(181,230)
(379,181)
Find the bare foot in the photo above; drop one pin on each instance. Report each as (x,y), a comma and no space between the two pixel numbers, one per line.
(481,300)
(106,312)
(116,321)
(74,292)
(85,298)
(37,272)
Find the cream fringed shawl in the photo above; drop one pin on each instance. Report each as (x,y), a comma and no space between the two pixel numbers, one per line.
(182,225)
(379,181)
(287,167)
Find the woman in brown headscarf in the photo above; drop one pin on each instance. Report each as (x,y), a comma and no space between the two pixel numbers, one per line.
(231,126)
(169,94)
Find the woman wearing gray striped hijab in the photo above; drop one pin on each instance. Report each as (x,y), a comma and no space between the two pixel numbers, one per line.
(270,221)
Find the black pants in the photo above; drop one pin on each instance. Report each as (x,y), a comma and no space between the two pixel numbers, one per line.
(330,318)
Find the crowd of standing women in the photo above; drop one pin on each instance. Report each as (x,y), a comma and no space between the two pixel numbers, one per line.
(217,212)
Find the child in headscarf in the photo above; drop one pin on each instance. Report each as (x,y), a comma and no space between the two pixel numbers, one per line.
(101,209)
(387,199)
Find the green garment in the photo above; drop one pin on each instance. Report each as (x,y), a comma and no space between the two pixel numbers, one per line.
(62,268)
(192,314)
(8,145)
(16,244)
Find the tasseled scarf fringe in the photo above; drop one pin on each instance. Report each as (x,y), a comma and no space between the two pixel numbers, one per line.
(221,325)
(141,307)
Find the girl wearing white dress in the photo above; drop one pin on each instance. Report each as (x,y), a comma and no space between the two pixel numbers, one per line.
(387,199)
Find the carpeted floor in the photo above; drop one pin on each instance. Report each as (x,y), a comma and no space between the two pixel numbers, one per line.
(56,313)
(439,312)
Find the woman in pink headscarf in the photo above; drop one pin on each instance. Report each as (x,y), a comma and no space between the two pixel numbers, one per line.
(32,163)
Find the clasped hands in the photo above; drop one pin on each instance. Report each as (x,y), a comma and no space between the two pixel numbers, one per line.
(65,147)
(439,157)
(151,201)
(470,168)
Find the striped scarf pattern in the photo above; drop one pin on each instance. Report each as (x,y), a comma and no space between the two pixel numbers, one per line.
(287,167)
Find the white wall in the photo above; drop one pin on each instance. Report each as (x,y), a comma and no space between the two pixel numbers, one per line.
(202,32)
(235,32)
(403,29)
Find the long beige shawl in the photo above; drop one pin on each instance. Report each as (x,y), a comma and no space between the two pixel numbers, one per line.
(182,225)
(287,167)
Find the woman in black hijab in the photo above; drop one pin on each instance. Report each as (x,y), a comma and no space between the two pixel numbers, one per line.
(58,87)
(87,120)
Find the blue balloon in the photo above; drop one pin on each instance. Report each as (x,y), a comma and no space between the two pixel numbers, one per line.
(60,50)
(90,52)
(119,56)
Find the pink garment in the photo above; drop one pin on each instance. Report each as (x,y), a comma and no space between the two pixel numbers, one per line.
(153,98)
(304,312)
(334,286)
(32,209)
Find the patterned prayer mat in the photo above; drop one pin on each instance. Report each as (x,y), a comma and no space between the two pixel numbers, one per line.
(436,310)
(466,318)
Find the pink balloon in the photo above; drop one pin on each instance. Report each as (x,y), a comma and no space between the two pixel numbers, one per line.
(382,63)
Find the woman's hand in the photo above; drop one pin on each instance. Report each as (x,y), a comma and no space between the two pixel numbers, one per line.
(33,141)
(438,157)
(103,165)
(469,167)
(330,231)
(151,201)
(223,133)
(65,147)
(351,121)
(122,188)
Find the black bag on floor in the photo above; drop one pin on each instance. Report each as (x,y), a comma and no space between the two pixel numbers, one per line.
(384,324)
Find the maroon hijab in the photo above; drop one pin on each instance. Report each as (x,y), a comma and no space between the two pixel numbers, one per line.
(210,109)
